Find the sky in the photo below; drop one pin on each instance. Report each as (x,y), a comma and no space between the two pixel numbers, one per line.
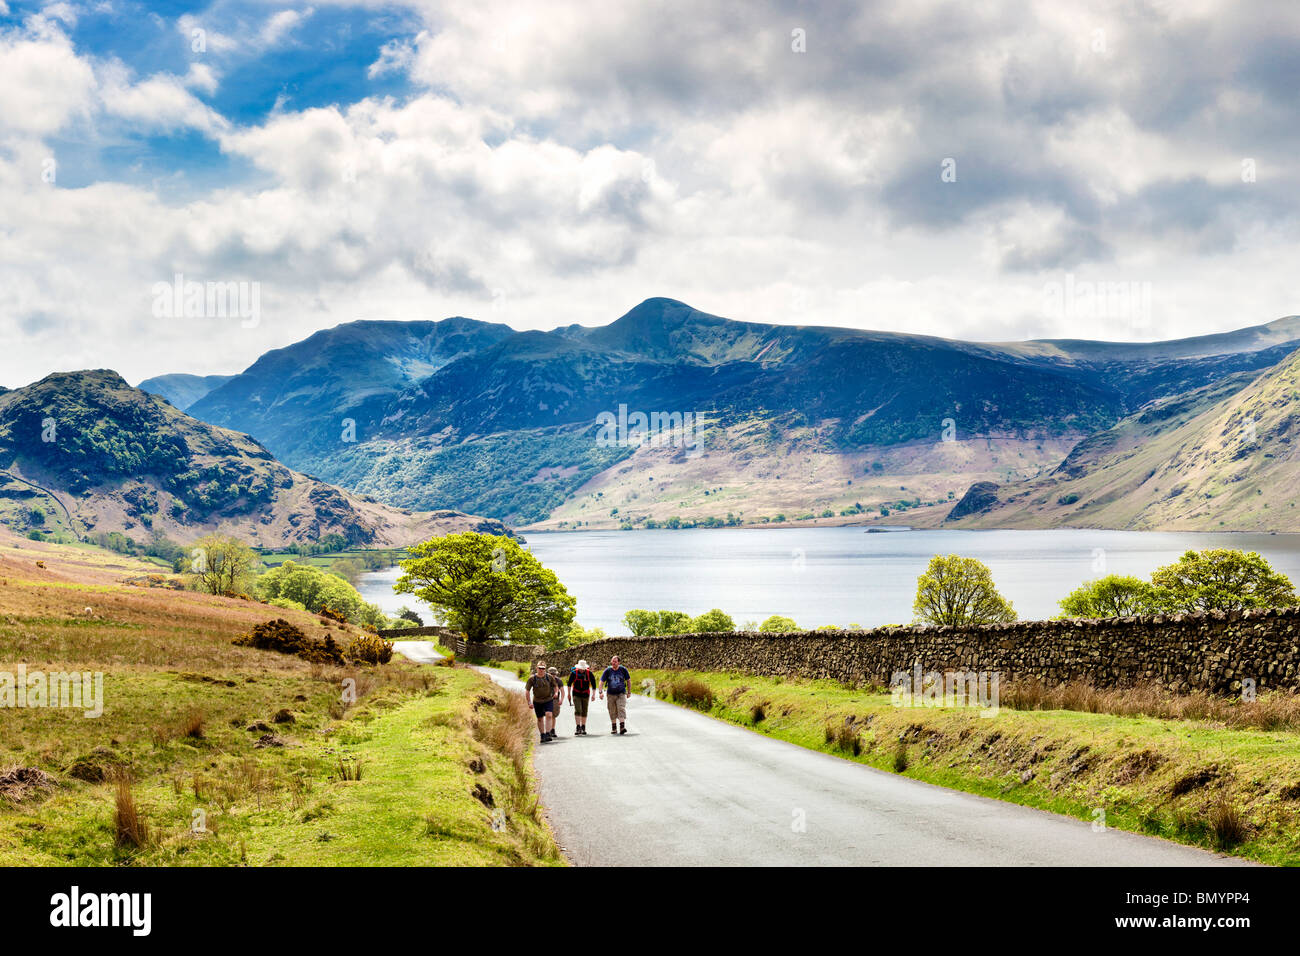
(1001,170)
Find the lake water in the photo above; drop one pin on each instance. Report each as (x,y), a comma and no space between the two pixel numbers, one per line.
(838,576)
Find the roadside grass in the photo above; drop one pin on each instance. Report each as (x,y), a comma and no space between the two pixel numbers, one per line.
(211,754)
(1197,781)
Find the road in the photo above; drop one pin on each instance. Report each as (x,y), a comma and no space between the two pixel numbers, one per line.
(683,789)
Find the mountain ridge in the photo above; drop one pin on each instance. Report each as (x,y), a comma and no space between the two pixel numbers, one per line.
(503,423)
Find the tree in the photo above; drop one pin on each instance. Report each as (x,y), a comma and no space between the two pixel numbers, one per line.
(316,590)
(409,615)
(776,624)
(959,591)
(1220,579)
(657,623)
(1115,595)
(221,564)
(489,588)
(712,622)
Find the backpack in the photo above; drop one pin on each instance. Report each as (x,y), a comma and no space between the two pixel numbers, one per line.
(581,682)
(543,690)
(616,683)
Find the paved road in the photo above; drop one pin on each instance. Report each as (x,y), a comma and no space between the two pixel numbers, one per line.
(684,789)
(422,652)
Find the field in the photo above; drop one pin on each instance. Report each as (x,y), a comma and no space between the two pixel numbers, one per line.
(208,753)
(1208,782)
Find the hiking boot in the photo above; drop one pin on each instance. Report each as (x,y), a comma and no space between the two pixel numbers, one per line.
(613,728)
(622,728)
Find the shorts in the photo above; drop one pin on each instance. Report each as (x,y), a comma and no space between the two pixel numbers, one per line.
(543,707)
(580,702)
(617,706)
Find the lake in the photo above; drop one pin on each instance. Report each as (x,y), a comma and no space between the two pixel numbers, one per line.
(838,576)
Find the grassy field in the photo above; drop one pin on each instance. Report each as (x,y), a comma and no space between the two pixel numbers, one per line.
(1193,781)
(211,754)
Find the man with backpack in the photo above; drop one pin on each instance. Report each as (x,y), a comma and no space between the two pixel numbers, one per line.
(540,694)
(554,674)
(617,682)
(581,684)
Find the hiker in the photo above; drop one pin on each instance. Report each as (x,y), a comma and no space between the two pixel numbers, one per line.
(554,675)
(618,682)
(581,683)
(540,694)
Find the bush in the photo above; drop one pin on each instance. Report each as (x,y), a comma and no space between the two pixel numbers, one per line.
(692,692)
(776,624)
(371,649)
(283,638)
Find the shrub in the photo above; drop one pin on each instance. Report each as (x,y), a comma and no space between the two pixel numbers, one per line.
(844,736)
(330,614)
(371,649)
(129,828)
(776,624)
(901,760)
(283,638)
(1228,827)
(692,692)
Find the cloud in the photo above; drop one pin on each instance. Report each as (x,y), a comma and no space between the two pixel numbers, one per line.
(553,165)
(158,104)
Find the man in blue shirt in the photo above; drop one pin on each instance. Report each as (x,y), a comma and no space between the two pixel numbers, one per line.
(618,683)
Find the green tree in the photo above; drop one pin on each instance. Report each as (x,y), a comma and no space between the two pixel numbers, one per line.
(580,635)
(959,591)
(489,588)
(776,624)
(220,564)
(316,589)
(657,623)
(712,622)
(1220,579)
(1115,595)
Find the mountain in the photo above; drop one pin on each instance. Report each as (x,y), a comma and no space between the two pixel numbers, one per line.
(296,399)
(183,390)
(87,451)
(796,420)
(1223,457)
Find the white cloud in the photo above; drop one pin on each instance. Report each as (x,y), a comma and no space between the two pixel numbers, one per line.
(157,104)
(558,164)
(46,85)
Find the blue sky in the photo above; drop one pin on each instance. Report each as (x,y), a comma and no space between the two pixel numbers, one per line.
(905,165)
(323,61)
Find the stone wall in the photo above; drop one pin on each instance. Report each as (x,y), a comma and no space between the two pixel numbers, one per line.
(445,634)
(1181,653)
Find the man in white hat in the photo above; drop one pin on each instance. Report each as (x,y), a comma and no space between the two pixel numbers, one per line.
(581,685)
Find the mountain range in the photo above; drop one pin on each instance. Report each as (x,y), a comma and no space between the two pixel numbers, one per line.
(797,422)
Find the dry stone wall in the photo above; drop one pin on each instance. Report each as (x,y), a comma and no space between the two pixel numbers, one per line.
(1181,652)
